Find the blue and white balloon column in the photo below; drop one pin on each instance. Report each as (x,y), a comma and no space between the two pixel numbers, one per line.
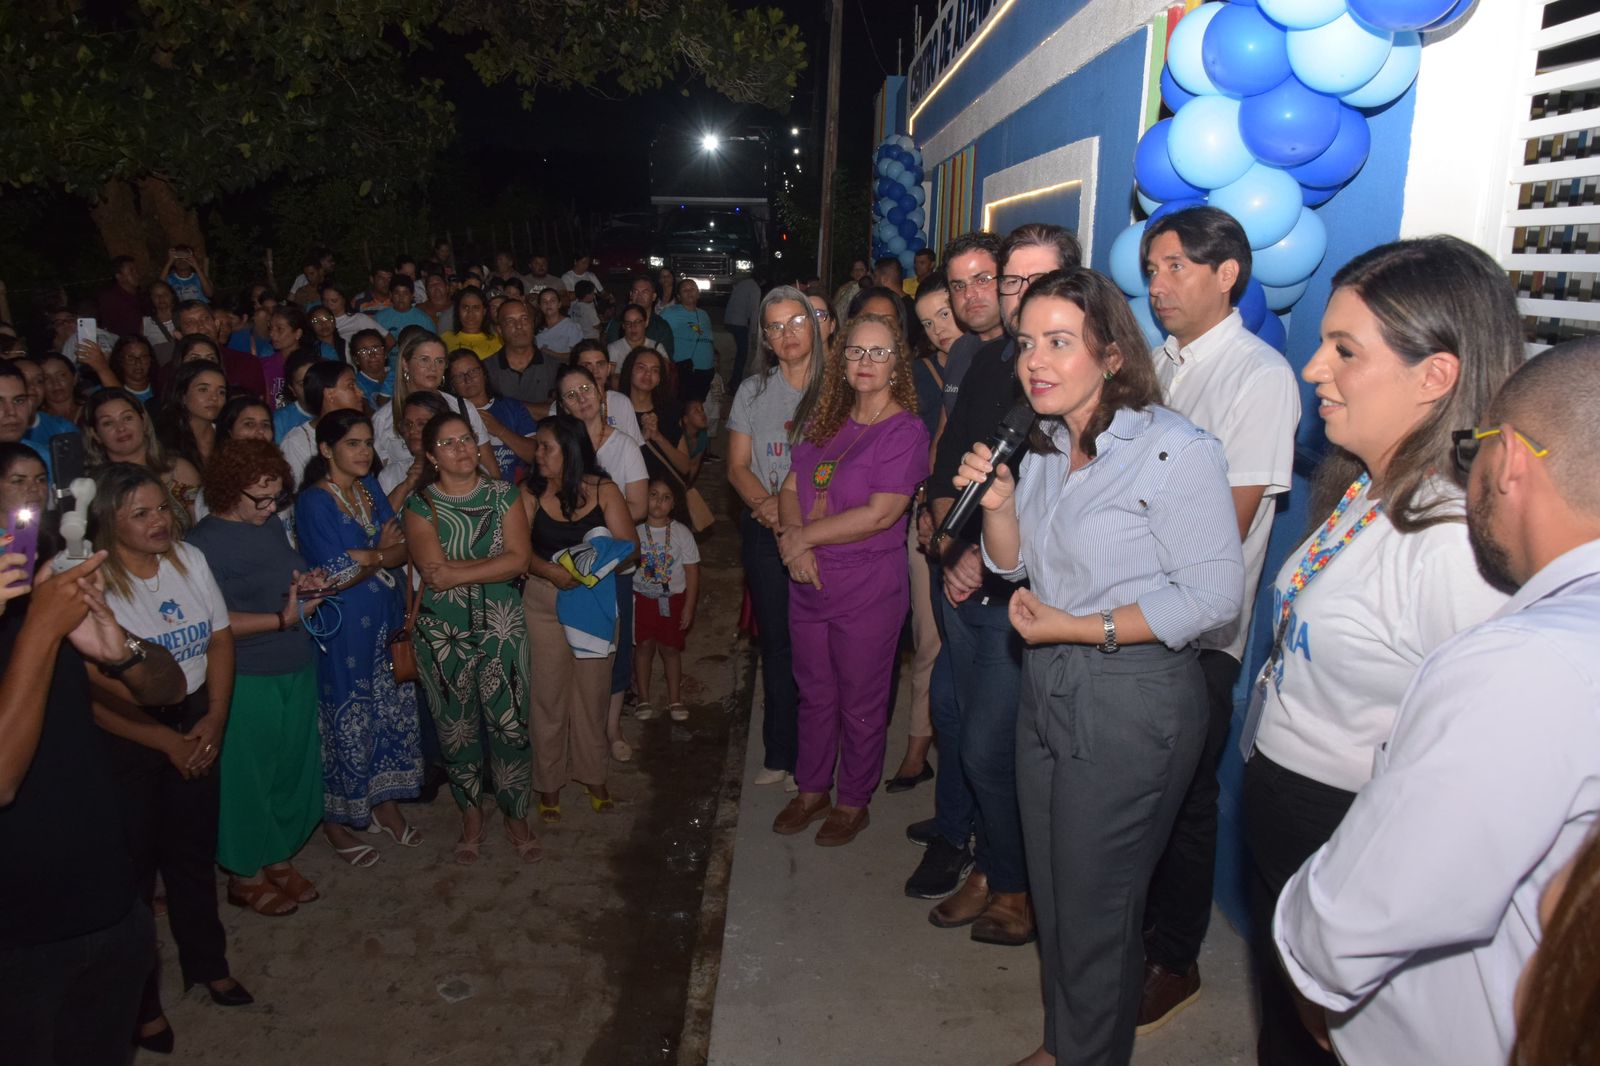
(1269,102)
(899,214)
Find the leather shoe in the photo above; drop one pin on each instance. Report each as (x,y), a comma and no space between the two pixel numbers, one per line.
(1007,920)
(800,813)
(911,781)
(964,907)
(1166,992)
(236,996)
(842,826)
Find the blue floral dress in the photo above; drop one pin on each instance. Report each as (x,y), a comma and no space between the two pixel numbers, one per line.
(371,747)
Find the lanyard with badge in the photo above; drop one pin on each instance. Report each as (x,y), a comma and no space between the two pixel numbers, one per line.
(1319,553)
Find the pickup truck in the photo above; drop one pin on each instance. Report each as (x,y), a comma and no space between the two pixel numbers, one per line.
(714,246)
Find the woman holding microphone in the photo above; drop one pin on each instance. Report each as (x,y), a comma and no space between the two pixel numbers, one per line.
(1122,523)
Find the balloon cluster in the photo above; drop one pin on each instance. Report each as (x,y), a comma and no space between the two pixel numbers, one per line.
(1269,102)
(898,215)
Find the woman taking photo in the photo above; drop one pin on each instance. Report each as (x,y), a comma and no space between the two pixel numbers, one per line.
(119,430)
(769,409)
(1113,708)
(579,396)
(271,768)
(469,540)
(371,748)
(660,424)
(568,496)
(422,366)
(162,591)
(844,540)
(23,481)
(473,329)
(508,422)
(1416,339)
(189,415)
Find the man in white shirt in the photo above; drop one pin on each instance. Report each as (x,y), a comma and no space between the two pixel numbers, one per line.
(1408,930)
(580,272)
(538,278)
(1228,381)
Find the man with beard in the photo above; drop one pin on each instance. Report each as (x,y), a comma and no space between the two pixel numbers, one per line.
(1408,930)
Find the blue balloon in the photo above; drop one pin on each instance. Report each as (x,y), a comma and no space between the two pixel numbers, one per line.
(905,201)
(1127,266)
(897,244)
(917,215)
(1152,166)
(1265,201)
(1148,205)
(1183,50)
(885,230)
(910,179)
(1281,299)
(1397,15)
(1243,52)
(893,169)
(1205,146)
(908,229)
(895,215)
(1461,8)
(1288,124)
(1172,93)
(1343,158)
(1293,259)
(1339,57)
(920,195)
(1273,333)
(916,244)
(1396,76)
(1253,305)
(1302,14)
(1153,333)
(1312,196)
(908,260)
(1163,210)
(883,187)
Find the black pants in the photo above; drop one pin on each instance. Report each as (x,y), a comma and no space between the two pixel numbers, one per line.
(1178,908)
(741,354)
(768,579)
(1287,817)
(74,1002)
(172,828)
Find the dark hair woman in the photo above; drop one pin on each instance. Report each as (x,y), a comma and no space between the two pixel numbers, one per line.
(187,425)
(473,327)
(644,376)
(372,754)
(469,539)
(1103,576)
(415,414)
(328,387)
(118,429)
(244,418)
(133,362)
(510,426)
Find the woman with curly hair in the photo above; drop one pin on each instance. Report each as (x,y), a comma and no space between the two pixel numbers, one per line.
(843,520)
(271,752)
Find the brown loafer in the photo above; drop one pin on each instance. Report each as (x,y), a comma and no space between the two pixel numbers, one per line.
(800,813)
(841,827)
(1166,992)
(964,907)
(1007,920)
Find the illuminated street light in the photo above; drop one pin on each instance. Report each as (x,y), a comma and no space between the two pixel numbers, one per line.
(710,142)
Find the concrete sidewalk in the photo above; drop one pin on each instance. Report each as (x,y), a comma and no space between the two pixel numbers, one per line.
(825,960)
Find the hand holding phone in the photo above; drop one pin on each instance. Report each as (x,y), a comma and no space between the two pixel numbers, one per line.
(22,523)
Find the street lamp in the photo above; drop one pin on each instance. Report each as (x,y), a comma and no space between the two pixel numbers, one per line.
(710,142)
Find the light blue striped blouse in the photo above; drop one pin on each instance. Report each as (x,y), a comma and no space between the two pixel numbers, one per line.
(1149,521)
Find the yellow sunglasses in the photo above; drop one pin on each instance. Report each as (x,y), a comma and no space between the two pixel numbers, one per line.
(1467,441)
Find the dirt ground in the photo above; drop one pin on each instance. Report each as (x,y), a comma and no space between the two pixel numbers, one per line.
(581,959)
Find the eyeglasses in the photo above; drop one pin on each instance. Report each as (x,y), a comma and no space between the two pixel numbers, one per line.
(1011,284)
(854,353)
(798,323)
(977,281)
(468,374)
(1466,443)
(821,315)
(321,320)
(456,442)
(370,349)
(263,503)
(577,393)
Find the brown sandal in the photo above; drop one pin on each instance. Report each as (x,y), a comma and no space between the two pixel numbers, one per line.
(529,848)
(263,897)
(293,883)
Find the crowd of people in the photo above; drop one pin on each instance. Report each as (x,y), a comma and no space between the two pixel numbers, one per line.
(338,540)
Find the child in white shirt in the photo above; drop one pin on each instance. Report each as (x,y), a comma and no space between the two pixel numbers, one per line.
(665,590)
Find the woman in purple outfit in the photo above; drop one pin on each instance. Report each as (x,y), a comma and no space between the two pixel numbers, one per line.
(843,518)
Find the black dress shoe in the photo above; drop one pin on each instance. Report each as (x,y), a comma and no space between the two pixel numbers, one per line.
(160,1042)
(906,784)
(923,833)
(233,997)
(940,871)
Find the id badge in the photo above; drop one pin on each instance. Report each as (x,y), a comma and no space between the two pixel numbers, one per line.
(1252,714)
(664,606)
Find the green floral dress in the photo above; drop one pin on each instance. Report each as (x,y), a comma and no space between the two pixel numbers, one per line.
(472,652)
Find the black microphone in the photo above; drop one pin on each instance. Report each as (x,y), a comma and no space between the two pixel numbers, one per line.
(1008,437)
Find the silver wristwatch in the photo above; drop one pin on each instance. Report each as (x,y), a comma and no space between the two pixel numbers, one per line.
(136,655)
(1110,644)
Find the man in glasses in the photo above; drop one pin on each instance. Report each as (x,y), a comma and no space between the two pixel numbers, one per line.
(1412,925)
(984,652)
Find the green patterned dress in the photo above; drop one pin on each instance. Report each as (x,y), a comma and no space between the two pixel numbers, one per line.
(472,652)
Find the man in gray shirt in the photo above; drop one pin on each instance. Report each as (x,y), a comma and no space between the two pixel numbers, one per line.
(518,370)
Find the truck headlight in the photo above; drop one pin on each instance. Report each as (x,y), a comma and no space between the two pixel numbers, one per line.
(743,266)
(656,261)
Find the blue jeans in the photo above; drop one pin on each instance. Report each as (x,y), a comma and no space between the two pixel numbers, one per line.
(986,667)
(953,806)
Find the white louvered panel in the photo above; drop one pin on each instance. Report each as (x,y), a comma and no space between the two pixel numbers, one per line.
(1576,310)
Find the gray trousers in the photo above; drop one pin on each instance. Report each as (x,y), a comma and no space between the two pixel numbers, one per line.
(1106,745)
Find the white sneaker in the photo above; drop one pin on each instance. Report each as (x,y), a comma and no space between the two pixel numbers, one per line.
(769,777)
(643,711)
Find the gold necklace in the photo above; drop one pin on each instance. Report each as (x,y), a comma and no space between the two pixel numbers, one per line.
(363,514)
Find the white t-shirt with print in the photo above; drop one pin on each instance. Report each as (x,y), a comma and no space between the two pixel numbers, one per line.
(1357,633)
(672,547)
(180,612)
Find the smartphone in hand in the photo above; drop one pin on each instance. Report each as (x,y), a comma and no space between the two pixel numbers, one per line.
(88,332)
(23,525)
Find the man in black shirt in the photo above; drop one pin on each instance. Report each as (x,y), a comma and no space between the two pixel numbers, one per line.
(76,941)
(985,652)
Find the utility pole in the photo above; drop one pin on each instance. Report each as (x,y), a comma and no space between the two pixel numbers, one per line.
(830,145)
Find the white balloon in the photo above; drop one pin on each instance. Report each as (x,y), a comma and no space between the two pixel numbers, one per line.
(1183,50)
